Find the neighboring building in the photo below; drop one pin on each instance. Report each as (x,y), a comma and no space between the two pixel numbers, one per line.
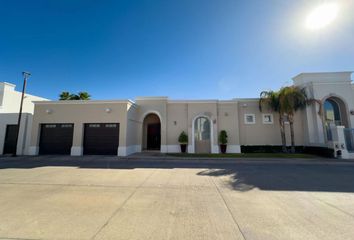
(9,109)
(122,127)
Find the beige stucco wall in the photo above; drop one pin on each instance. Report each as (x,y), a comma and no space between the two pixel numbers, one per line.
(265,134)
(79,113)
(228,120)
(177,121)
(132,125)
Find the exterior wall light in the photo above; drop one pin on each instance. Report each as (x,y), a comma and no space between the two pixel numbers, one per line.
(108,110)
(175,122)
(351,112)
(49,111)
(244,105)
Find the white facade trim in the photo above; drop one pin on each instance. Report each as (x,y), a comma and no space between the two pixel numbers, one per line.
(163,149)
(215,149)
(233,149)
(84,102)
(127,150)
(173,148)
(76,151)
(33,150)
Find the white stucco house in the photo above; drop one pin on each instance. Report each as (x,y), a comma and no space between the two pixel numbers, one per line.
(123,127)
(9,108)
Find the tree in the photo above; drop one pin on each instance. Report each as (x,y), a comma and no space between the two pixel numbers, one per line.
(65,96)
(291,99)
(84,96)
(270,100)
(79,96)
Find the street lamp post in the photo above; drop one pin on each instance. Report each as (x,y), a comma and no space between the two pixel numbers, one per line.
(25,75)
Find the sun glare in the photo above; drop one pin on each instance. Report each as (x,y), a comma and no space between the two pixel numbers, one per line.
(322,16)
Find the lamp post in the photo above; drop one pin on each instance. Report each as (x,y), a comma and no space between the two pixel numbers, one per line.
(25,75)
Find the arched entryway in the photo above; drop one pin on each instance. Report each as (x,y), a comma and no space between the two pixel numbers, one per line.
(335,114)
(152,132)
(202,135)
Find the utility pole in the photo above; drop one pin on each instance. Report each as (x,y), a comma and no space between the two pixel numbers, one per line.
(25,75)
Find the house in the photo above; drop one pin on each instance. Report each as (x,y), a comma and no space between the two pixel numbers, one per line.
(123,127)
(9,109)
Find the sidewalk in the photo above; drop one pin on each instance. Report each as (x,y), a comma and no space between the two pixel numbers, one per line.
(160,157)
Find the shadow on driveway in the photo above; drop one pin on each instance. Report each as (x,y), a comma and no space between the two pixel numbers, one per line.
(238,176)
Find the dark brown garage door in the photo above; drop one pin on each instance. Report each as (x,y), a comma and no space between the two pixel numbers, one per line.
(101,138)
(56,138)
(10,139)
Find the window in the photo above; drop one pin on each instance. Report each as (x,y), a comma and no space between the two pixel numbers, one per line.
(66,125)
(111,125)
(50,126)
(94,125)
(202,129)
(250,118)
(267,118)
(332,112)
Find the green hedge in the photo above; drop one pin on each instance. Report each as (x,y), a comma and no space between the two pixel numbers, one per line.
(320,151)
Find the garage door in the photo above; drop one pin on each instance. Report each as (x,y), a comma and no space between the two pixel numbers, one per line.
(101,138)
(56,138)
(10,139)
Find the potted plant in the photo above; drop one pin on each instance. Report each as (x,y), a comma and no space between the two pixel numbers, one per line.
(223,141)
(183,141)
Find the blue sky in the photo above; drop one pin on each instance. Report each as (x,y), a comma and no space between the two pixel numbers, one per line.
(200,49)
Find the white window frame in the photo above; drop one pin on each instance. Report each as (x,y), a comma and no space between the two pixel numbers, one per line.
(271,118)
(248,115)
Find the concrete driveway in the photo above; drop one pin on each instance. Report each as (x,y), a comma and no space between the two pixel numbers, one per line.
(101,198)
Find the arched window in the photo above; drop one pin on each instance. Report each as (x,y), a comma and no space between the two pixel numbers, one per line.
(332,112)
(202,135)
(202,129)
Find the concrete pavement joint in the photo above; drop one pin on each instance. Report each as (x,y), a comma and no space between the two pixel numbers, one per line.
(331,205)
(121,206)
(228,209)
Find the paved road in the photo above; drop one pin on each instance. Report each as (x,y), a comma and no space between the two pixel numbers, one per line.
(98,198)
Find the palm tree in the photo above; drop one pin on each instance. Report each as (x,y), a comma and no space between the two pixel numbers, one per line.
(65,96)
(84,96)
(292,99)
(270,100)
(79,96)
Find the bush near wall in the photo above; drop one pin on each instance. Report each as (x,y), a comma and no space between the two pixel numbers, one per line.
(320,151)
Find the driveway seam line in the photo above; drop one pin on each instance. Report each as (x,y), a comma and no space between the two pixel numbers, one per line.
(331,205)
(228,209)
(121,206)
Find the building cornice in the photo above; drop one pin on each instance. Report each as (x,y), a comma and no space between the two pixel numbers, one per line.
(68,102)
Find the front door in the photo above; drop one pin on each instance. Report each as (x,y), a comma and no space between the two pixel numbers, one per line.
(153,136)
(10,139)
(202,135)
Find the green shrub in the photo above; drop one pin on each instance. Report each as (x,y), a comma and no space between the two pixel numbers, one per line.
(223,137)
(183,138)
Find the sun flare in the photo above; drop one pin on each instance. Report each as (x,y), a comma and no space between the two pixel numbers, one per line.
(322,16)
